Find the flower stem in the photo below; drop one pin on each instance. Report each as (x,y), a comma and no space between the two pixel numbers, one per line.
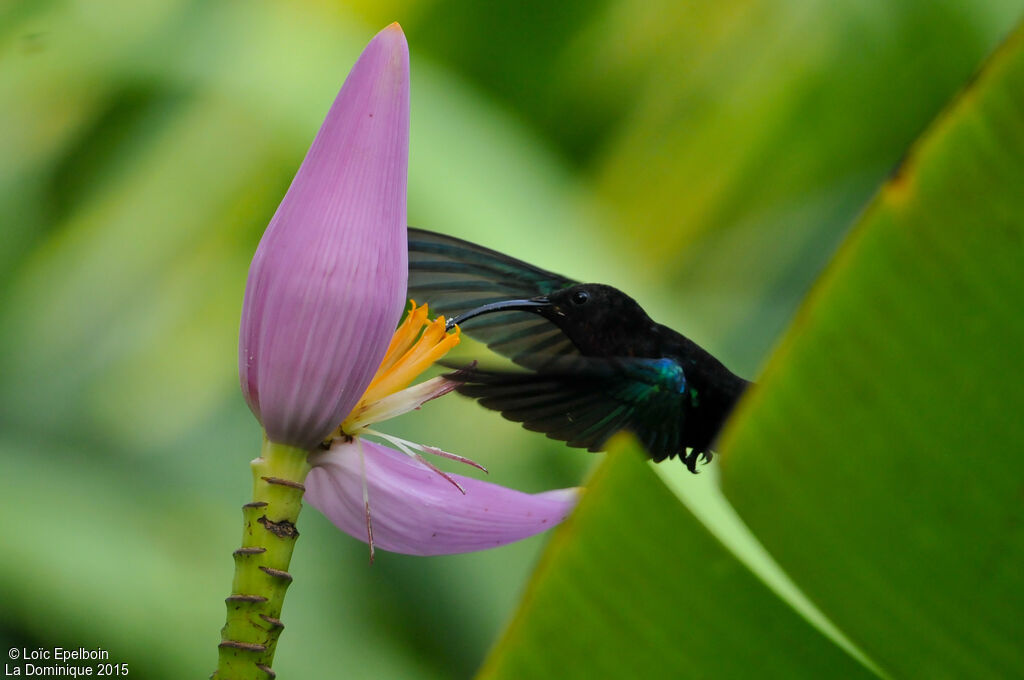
(249,638)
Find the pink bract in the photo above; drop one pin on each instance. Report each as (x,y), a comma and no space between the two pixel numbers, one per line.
(327,283)
(417,512)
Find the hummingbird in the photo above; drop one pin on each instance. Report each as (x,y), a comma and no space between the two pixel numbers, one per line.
(591,361)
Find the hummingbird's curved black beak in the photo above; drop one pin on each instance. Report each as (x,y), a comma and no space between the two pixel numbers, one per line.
(529,305)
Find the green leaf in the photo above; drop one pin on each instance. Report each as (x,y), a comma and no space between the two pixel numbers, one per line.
(634,586)
(880,459)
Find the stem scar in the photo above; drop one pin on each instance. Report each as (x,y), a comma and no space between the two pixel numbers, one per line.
(284,482)
(282,529)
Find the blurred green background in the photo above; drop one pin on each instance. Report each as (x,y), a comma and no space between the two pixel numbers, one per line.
(709,158)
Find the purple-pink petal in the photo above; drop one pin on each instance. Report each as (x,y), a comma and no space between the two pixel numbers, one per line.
(327,283)
(416,511)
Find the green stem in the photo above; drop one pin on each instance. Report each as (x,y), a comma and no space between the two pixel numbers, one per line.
(249,637)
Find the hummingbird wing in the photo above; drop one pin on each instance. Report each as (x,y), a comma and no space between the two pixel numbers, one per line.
(454,276)
(584,401)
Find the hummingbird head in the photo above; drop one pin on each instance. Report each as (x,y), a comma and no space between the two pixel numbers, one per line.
(590,314)
(593,313)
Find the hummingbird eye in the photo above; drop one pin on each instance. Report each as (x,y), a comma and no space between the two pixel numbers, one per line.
(580,297)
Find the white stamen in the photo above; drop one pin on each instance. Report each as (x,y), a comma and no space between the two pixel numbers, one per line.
(423,461)
(410,449)
(454,456)
(366,498)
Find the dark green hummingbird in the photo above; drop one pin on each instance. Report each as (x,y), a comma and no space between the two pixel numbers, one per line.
(594,362)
